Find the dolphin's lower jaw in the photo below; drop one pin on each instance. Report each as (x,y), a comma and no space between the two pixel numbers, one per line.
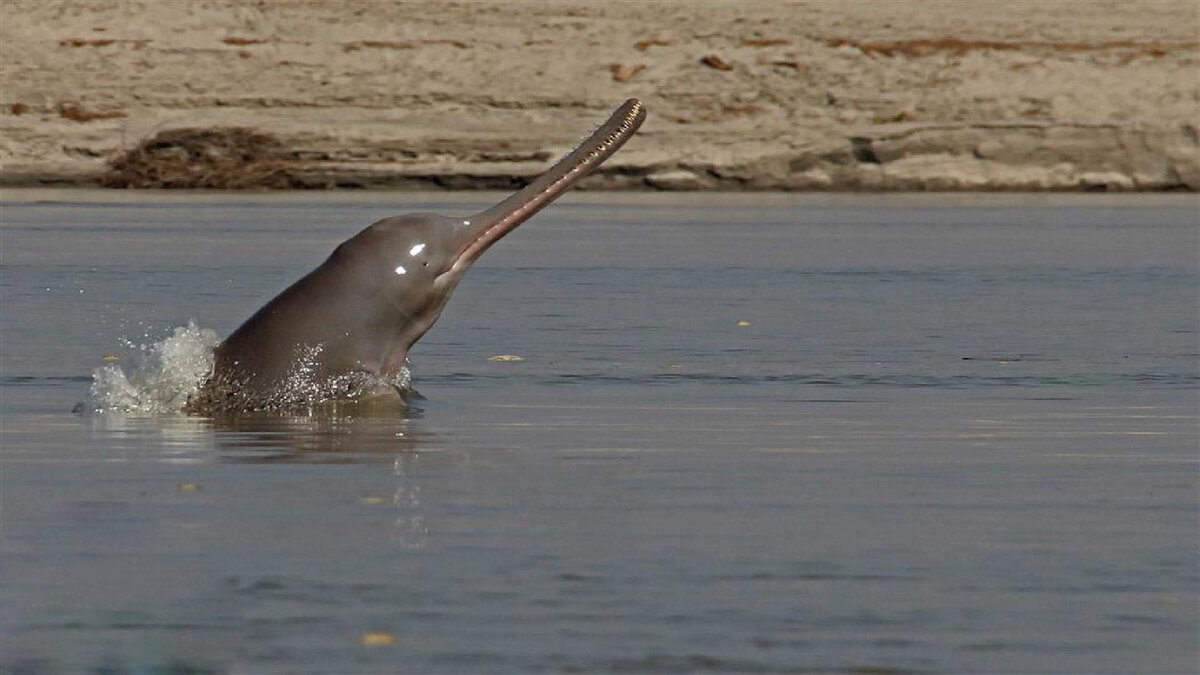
(377,294)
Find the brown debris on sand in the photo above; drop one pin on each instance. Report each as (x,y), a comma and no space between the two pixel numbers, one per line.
(220,158)
(926,47)
(715,61)
(102,42)
(77,113)
(624,73)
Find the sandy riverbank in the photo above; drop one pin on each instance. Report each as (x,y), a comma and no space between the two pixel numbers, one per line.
(893,95)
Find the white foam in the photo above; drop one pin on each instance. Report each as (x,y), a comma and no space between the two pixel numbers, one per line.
(157,377)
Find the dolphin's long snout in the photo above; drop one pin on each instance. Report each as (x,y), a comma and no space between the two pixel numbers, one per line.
(488,226)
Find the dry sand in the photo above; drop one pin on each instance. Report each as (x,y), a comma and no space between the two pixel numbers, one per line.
(892,94)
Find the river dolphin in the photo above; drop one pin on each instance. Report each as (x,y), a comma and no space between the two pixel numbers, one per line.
(348,325)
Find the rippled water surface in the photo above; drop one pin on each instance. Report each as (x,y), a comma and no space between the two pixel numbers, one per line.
(746,434)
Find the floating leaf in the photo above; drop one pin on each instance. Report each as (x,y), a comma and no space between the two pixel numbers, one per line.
(376,638)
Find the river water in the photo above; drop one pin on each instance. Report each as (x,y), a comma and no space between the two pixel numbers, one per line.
(756,433)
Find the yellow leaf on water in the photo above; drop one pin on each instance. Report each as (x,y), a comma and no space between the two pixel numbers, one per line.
(743,323)
(506,357)
(376,638)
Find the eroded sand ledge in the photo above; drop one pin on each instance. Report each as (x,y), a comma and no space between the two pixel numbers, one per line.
(895,95)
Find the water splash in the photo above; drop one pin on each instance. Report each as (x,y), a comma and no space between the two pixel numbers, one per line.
(305,386)
(158,377)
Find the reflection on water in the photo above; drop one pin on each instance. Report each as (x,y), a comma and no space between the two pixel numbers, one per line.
(410,519)
(336,431)
(767,434)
